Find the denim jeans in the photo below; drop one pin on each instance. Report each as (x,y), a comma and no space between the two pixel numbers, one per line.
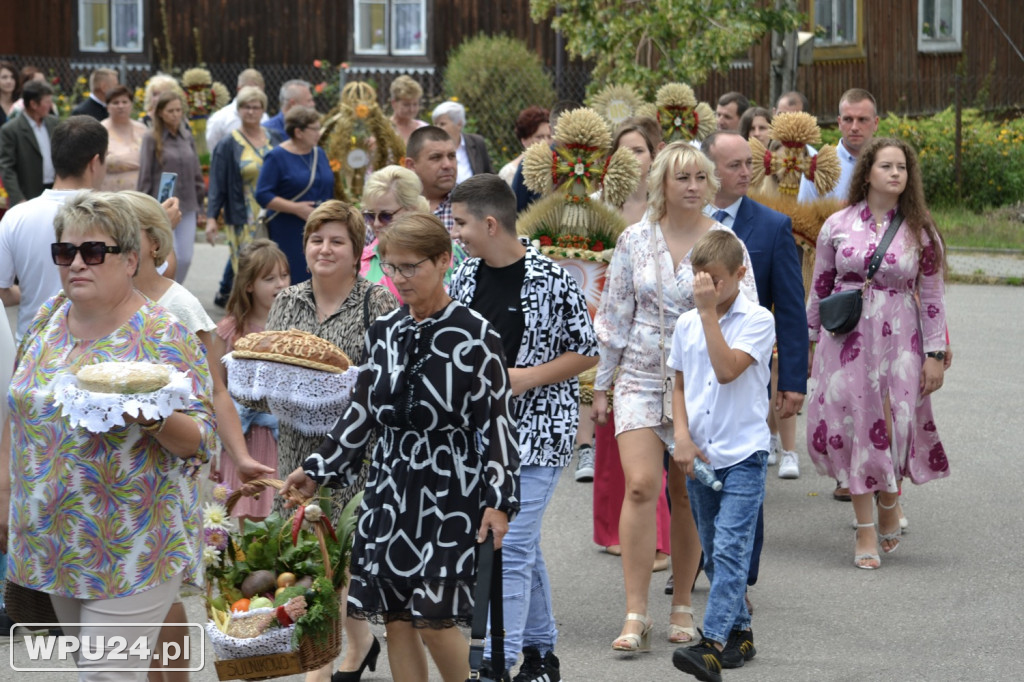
(529,620)
(726,522)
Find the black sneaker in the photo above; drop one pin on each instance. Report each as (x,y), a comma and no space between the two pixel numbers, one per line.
(221,299)
(739,649)
(538,669)
(702,661)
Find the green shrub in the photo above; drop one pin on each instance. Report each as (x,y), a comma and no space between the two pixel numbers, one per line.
(992,156)
(496,77)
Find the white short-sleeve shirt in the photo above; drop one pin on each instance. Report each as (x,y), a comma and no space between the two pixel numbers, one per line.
(727,421)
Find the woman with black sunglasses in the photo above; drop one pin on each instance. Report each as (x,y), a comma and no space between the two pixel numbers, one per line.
(106,523)
(390,193)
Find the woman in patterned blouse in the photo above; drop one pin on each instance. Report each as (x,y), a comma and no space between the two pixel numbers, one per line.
(107,524)
(338,305)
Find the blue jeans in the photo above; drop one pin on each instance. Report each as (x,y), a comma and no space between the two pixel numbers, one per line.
(529,620)
(726,522)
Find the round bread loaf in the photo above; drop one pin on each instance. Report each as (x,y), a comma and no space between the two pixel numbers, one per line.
(293,347)
(123,377)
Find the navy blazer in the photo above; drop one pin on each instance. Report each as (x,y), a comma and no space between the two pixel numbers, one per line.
(768,236)
(90,107)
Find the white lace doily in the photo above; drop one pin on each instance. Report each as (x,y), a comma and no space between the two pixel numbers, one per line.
(101,412)
(273,641)
(308,399)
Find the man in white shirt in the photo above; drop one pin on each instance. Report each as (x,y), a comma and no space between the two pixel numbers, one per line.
(225,120)
(470,150)
(858,121)
(26,231)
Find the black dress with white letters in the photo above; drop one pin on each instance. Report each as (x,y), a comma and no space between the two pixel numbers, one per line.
(438,396)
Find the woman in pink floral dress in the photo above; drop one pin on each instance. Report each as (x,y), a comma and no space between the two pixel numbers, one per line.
(869,417)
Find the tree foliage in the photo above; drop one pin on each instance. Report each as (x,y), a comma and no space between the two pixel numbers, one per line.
(648,43)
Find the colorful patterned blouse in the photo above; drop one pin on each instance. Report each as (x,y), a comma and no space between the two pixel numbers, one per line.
(99,516)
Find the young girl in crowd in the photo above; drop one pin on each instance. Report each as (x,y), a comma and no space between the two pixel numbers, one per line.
(262,274)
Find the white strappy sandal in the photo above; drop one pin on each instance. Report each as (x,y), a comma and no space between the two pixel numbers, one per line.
(632,641)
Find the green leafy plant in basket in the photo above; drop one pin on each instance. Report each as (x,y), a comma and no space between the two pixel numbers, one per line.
(278,559)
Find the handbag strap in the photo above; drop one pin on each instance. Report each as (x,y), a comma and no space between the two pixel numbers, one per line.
(488,594)
(661,303)
(312,177)
(883,246)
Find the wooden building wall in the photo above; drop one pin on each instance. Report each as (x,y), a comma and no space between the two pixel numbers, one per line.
(296,32)
(902,79)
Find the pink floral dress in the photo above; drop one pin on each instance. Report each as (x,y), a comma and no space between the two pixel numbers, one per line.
(853,373)
(629,328)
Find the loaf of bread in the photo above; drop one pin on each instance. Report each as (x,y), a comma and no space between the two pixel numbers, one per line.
(293,347)
(123,377)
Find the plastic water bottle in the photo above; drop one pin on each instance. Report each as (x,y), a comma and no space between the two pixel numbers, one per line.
(704,473)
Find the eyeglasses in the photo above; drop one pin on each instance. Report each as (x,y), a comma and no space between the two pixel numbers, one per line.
(385,217)
(405,270)
(251,107)
(93,253)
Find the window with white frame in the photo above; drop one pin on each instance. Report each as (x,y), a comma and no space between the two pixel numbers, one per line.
(938,25)
(390,27)
(835,23)
(110,26)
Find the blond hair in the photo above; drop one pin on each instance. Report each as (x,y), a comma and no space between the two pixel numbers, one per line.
(251,93)
(402,182)
(677,155)
(149,215)
(405,87)
(97,211)
(156,85)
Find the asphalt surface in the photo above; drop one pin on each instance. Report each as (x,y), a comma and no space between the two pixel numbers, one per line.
(946,606)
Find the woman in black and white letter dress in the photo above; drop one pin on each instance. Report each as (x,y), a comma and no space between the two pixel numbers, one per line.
(444,470)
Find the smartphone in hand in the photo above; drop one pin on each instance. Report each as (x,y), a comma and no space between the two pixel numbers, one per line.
(167,182)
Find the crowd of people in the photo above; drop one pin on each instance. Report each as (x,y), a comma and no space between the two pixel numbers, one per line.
(470,343)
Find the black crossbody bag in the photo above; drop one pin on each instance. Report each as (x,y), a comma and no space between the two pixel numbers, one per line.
(840,313)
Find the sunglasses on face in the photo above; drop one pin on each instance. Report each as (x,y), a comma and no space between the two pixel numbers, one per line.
(385,217)
(93,253)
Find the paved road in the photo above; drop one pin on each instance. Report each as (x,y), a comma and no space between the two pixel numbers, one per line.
(946,606)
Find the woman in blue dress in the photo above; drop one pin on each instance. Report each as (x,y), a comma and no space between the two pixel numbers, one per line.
(296,177)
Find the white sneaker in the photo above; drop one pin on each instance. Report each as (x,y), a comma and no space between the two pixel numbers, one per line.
(773,450)
(789,467)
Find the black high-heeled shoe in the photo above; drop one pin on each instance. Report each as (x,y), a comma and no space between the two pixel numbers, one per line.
(369,662)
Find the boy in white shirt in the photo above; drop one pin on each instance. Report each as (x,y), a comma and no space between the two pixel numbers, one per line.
(721,352)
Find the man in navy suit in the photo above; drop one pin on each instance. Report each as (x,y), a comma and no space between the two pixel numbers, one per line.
(101,81)
(768,236)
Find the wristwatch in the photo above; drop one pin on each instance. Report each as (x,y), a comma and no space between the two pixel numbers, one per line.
(939,355)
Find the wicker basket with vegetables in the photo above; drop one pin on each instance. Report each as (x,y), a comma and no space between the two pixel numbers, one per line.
(272,588)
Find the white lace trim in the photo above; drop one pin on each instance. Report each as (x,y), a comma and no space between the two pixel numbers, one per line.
(309,400)
(273,641)
(101,412)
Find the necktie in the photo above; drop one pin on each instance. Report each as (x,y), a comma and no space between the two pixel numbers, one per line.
(720,215)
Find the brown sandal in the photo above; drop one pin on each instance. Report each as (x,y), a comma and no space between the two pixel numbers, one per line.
(841,494)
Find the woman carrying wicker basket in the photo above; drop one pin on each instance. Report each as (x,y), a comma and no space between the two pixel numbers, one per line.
(434,389)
